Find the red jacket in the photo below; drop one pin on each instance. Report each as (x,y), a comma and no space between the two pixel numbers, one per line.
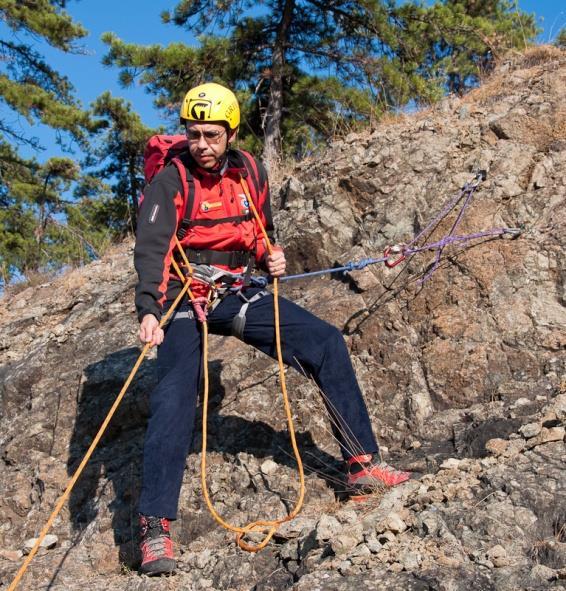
(217,195)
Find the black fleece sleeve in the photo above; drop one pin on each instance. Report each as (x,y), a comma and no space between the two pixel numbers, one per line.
(157,224)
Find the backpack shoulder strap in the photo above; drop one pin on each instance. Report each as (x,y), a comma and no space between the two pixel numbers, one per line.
(188,196)
(255,172)
(257,184)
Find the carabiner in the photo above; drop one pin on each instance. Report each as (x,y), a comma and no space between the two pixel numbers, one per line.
(390,262)
(481,175)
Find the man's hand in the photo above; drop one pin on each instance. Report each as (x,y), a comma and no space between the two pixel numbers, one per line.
(150,332)
(276,262)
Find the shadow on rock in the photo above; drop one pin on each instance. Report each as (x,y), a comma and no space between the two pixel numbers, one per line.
(233,434)
(113,474)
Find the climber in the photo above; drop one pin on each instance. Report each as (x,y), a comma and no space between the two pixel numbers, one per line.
(209,213)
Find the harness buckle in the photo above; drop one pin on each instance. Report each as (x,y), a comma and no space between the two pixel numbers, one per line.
(234,259)
(197,257)
(238,259)
(390,253)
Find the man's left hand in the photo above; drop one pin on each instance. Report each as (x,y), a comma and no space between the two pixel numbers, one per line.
(276,262)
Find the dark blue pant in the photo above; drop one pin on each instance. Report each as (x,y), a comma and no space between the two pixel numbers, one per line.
(308,344)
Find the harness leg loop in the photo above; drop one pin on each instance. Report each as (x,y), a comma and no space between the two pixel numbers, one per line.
(239,321)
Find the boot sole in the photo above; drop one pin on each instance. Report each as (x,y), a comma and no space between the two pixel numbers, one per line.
(163,566)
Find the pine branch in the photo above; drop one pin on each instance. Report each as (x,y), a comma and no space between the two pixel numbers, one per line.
(19,138)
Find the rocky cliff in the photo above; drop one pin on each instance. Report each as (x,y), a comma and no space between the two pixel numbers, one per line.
(463,375)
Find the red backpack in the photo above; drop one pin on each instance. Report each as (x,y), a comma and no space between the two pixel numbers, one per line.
(161,150)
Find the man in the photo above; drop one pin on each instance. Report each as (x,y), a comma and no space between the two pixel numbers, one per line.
(221,238)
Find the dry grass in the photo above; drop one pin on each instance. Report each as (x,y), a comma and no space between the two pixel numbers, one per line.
(279,171)
(549,534)
(73,279)
(559,129)
(32,279)
(497,83)
(537,55)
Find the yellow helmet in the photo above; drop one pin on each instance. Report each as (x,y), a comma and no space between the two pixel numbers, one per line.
(211,103)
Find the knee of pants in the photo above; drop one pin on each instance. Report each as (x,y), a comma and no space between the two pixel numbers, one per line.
(335,345)
(324,343)
(331,336)
(170,412)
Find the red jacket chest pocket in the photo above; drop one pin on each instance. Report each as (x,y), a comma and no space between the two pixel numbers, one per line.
(210,200)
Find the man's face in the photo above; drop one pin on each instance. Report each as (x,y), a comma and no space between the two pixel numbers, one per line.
(208,142)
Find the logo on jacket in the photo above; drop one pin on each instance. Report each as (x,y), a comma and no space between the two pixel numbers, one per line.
(208,205)
(244,202)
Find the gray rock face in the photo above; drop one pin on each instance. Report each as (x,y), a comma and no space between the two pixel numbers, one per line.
(463,375)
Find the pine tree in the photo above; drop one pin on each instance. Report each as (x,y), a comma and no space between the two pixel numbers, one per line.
(33,231)
(32,212)
(118,159)
(28,84)
(450,45)
(376,55)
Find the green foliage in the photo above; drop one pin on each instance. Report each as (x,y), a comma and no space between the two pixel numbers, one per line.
(35,233)
(560,40)
(451,44)
(118,159)
(31,200)
(28,85)
(44,18)
(340,63)
(168,72)
(39,229)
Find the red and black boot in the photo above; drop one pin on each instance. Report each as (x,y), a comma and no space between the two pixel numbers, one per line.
(367,474)
(156,546)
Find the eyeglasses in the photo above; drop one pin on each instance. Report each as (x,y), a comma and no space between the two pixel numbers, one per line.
(210,136)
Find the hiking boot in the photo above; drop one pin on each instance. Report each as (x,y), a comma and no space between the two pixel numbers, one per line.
(156,546)
(367,473)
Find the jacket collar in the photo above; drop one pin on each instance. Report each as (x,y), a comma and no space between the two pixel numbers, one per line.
(231,164)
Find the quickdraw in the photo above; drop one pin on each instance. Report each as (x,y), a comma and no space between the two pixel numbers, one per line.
(394,255)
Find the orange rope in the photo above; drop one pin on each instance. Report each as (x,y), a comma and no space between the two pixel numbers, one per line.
(268,526)
(92,447)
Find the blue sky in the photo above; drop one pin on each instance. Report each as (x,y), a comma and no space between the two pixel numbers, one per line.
(139,22)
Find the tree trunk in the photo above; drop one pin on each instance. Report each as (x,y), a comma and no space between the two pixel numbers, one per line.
(272,123)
